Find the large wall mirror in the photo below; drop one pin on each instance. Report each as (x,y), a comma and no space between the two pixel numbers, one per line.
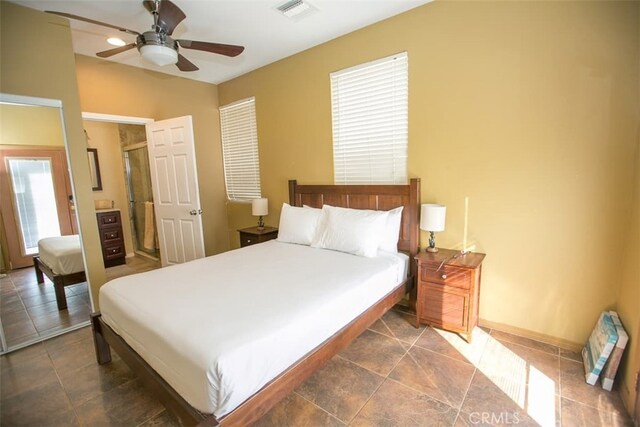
(36,203)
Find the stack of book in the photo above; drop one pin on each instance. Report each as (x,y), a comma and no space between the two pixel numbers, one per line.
(602,352)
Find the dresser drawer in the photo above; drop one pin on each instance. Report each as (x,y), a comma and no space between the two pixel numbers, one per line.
(106,219)
(114,251)
(447,275)
(111,235)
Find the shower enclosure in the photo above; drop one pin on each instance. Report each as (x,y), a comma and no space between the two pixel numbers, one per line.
(138,179)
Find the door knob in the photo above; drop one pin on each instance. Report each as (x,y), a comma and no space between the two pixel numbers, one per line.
(195,212)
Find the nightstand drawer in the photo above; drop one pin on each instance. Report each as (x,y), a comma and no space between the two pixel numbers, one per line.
(247,240)
(444,308)
(447,275)
(251,236)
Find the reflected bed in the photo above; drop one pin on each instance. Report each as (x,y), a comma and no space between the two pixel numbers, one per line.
(60,258)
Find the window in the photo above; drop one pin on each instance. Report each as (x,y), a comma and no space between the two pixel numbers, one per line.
(370,122)
(240,150)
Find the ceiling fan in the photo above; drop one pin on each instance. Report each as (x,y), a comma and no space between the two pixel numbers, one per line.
(156,45)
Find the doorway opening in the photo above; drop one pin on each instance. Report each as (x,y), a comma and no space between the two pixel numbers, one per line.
(127,185)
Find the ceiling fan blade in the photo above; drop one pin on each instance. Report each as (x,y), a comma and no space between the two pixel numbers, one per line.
(111,52)
(92,21)
(222,49)
(169,15)
(185,65)
(149,5)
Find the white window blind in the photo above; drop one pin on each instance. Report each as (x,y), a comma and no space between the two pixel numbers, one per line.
(369,105)
(240,150)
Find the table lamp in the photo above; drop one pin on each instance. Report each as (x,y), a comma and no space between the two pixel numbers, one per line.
(432,218)
(260,208)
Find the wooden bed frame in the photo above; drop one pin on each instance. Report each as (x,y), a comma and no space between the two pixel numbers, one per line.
(59,280)
(378,197)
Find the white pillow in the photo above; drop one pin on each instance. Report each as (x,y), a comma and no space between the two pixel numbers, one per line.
(355,231)
(389,238)
(297,225)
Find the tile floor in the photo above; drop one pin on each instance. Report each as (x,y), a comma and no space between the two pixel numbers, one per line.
(29,311)
(392,375)
(135,264)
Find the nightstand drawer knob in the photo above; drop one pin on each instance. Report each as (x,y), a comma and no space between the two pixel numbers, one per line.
(248,240)
(444,276)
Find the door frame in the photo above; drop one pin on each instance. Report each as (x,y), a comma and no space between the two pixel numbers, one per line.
(115,118)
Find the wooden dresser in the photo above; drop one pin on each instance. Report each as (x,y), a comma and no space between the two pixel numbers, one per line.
(111,237)
(251,236)
(448,291)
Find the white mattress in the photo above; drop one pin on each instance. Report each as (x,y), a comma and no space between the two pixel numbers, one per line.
(62,254)
(219,328)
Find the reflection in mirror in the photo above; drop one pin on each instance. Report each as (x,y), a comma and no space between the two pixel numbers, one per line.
(94,169)
(36,205)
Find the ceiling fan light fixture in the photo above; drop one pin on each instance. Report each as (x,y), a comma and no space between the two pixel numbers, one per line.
(159,55)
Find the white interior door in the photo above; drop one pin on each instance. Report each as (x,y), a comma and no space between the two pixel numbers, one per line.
(176,198)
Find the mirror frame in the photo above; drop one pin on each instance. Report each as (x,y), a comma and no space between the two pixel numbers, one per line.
(94,169)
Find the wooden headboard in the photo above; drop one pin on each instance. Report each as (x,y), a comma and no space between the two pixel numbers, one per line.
(375,197)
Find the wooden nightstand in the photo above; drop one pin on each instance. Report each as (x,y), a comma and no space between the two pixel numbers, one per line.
(251,236)
(449,292)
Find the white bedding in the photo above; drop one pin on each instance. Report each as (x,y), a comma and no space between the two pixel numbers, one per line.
(219,328)
(62,254)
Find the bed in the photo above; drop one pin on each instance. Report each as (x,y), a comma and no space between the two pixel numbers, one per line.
(311,319)
(60,258)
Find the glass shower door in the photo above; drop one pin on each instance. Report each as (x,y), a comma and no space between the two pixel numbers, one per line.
(141,200)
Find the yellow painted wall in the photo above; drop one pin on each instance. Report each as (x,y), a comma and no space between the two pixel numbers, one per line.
(130,91)
(528,108)
(36,59)
(629,298)
(23,125)
(106,138)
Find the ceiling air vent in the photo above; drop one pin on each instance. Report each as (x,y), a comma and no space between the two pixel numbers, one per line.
(296,9)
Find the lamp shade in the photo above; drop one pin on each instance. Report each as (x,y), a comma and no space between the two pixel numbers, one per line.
(432,217)
(259,207)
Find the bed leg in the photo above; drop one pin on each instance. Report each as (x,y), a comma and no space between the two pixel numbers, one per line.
(39,275)
(103,350)
(61,298)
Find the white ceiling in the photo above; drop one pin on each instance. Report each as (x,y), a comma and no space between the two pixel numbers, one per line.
(266,34)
